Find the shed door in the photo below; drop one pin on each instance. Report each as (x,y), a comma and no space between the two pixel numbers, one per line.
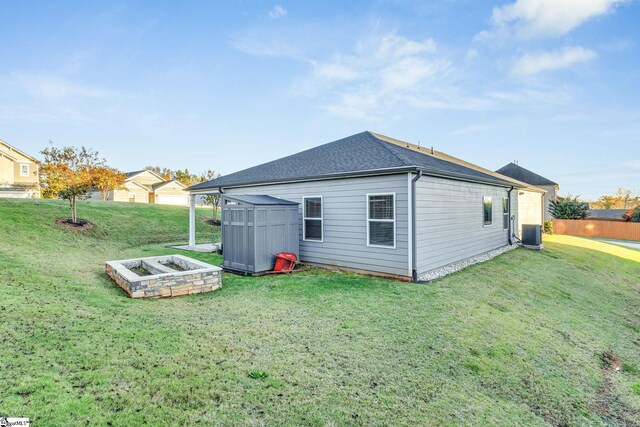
(234,228)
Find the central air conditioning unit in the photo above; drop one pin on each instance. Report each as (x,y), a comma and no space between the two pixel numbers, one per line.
(532,236)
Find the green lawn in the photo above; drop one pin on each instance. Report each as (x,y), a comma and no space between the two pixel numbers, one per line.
(514,341)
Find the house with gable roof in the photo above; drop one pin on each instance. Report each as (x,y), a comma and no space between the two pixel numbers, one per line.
(375,204)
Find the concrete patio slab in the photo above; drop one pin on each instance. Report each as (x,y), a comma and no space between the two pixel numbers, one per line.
(201,247)
(627,243)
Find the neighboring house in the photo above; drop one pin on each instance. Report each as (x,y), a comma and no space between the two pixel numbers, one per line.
(515,171)
(19,174)
(379,205)
(146,186)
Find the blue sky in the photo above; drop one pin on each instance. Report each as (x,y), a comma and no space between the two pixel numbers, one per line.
(554,84)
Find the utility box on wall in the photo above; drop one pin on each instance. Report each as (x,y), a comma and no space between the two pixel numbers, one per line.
(255,229)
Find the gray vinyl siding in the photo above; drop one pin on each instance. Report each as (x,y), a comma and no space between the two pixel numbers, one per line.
(449,221)
(344,221)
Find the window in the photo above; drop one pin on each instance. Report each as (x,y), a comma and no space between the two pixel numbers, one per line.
(505,213)
(312,218)
(381,220)
(487,210)
(24,170)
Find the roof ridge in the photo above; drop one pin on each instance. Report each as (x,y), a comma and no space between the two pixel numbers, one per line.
(363,153)
(387,146)
(2,141)
(440,155)
(515,168)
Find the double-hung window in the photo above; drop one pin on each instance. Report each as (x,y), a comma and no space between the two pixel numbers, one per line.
(312,222)
(381,220)
(487,211)
(24,170)
(505,213)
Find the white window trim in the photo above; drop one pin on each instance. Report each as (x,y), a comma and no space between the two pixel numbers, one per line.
(304,217)
(382,220)
(483,224)
(24,164)
(505,213)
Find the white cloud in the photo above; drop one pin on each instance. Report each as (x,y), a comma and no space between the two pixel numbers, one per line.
(277,12)
(381,74)
(527,19)
(394,46)
(533,63)
(633,164)
(53,88)
(385,76)
(333,71)
(472,54)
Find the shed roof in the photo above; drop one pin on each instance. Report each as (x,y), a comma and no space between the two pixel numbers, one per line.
(521,174)
(365,153)
(260,199)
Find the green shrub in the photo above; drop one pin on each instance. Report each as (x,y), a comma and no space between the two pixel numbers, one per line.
(569,208)
(548,227)
(635,216)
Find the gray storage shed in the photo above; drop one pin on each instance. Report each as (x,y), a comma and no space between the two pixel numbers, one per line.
(255,228)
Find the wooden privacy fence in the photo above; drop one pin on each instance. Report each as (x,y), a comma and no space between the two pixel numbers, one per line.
(591,228)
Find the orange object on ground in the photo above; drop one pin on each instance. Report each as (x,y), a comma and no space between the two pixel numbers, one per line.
(285,262)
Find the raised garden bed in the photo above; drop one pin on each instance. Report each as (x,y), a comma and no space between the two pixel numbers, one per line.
(164,276)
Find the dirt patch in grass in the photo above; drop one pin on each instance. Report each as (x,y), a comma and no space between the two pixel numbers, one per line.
(610,362)
(80,224)
(608,404)
(215,222)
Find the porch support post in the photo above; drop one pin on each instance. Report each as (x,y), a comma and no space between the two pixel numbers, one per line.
(192,219)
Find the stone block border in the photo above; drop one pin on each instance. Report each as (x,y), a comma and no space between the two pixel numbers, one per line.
(169,276)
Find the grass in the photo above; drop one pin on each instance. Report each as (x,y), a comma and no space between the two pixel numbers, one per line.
(514,341)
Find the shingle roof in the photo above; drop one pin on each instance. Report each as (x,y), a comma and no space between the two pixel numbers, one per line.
(129,175)
(521,174)
(134,173)
(362,153)
(18,151)
(607,213)
(260,200)
(158,185)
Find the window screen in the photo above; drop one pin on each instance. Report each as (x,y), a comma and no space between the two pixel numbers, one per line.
(487,209)
(312,218)
(505,213)
(381,220)
(24,170)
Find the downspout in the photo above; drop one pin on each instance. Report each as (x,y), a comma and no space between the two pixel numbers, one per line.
(510,221)
(414,245)
(220,190)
